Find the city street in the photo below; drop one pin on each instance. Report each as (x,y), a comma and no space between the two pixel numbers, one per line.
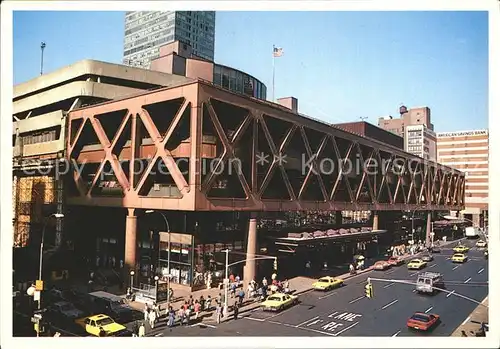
(347,312)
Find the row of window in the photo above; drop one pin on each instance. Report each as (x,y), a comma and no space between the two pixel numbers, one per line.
(169,26)
(151,19)
(42,137)
(165,19)
(239,82)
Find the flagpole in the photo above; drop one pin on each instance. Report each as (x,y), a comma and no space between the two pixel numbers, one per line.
(274,57)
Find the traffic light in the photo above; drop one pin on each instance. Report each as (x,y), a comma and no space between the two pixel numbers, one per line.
(369,290)
(275,264)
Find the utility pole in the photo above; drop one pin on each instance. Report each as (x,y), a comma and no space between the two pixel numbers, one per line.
(42,47)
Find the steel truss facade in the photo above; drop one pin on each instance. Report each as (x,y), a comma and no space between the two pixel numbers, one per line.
(199,147)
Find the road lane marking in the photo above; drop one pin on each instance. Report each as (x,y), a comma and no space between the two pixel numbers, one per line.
(388,305)
(254,319)
(428,310)
(414,291)
(455,267)
(158,334)
(480,270)
(449,294)
(279,313)
(302,328)
(305,322)
(433,265)
(414,273)
(390,272)
(389,285)
(357,299)
(328,295)
(465,321)
(466,281)
(345,329)
(396,334)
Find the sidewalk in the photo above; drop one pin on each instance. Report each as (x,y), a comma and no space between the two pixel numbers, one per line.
(473,322)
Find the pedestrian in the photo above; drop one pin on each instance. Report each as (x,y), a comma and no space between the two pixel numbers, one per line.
(274,276)
(233,289)
(464,334)
(241,296)
(146,312)
(236,311)
(217,313)
(197,307)
(171,316)
(121,263)
(237,279)
(182,315)
(202,302)
(286,286)
(208,303)
(142,330)
(135,329)
(152,318)
(187,313)
(102,332)
(264,282)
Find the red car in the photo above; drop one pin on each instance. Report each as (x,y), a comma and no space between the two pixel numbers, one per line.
(381,265)
(395,261)
(422,321)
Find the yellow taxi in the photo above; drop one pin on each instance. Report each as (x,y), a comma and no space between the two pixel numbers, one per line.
(416,264)
(279,301)
(327,283)
(94,323)
(461,249)
(459,258)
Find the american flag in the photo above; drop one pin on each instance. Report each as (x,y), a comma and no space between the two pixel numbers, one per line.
(277,52)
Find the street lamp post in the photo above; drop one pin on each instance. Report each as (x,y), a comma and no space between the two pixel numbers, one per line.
(413,223)
(42,47)
(168,231)
(40,266)
(132,279)
(156,287)
(226,282)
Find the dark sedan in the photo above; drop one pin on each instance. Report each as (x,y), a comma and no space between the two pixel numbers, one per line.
(427,258)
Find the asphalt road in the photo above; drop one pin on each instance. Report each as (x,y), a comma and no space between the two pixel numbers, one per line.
(346,311)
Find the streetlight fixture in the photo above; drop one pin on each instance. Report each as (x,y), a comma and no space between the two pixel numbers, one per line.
(168,231)
(56,215)
(132,273)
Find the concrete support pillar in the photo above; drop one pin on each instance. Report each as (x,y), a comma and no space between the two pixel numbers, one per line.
(375,220)
(338,217)
(250,264)
(130,240)
(428,229)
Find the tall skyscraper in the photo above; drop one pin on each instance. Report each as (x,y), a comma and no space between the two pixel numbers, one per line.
(146,31)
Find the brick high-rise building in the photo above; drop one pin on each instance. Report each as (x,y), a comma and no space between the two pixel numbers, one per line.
(468,152)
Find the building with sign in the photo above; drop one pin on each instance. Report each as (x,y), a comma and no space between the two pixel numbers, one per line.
(468,151)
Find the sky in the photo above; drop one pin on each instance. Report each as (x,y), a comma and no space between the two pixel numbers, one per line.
(342,66)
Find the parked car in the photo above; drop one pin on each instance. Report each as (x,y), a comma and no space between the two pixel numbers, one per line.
(381,265)
(66,309)
(395,261)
